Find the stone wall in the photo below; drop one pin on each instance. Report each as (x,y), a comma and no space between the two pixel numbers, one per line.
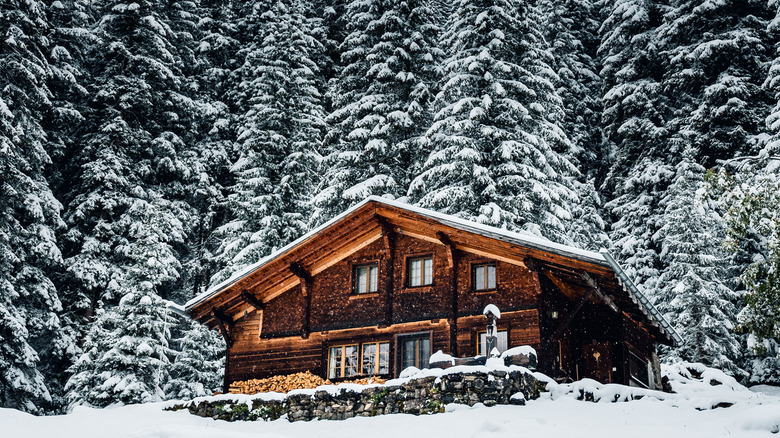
(426,395)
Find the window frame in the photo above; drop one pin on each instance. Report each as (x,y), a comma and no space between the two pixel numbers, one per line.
(417,336)
(479,343)
(378,355)
(474,267)
(359,345)
(355,268)
(408,270)
(342,368)
(633,357)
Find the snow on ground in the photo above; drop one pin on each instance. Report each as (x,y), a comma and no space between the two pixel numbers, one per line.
(558,413)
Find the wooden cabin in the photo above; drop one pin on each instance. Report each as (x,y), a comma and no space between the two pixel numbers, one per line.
(385,284)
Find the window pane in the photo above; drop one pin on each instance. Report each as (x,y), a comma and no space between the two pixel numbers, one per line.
(479,277)
(425,352)
(409,353)
(502,342)
(369,358)
(374,280)
(361,277)
(428,264)
(491,277)
(384,358)
(350,360)
(414,273)
(334,365)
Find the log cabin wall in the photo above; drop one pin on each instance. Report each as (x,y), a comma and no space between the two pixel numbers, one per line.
(516,287)
(335,306)
(252,357)
(421,302)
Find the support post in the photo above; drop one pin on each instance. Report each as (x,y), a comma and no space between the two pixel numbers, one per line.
(452,263)
(225,324)
(306,282)
(388,238)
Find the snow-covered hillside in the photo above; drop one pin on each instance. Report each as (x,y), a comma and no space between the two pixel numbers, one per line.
(557,413)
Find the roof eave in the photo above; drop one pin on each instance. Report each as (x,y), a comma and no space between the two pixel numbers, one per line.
(641,300)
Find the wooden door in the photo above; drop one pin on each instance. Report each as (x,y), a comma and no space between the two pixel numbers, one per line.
(597,362)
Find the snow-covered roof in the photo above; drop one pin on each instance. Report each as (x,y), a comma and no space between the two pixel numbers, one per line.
(522,239)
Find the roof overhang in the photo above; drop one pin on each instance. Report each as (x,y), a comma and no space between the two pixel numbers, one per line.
(374,218)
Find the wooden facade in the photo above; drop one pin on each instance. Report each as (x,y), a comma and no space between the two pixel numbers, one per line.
(385,284)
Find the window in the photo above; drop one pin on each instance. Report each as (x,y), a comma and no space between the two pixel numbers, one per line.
(483,277)
(343,361)
(420,271)
(638,370)
(376,358)
(365,279)
(501,342)
(415,350)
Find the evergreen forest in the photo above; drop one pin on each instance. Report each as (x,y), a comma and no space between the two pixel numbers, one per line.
(151,148)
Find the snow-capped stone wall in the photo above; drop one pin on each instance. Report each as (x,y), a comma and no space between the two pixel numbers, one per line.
(426,395)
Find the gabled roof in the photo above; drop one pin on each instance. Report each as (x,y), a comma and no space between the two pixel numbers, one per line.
(368,220)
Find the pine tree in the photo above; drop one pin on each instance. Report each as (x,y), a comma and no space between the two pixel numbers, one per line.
(126,354)
(572,32)
(381,103)
(34,343)
(691,289)
(199,363)
(714,55)
(496,129)
(635,114)
(278,140)
(125,210)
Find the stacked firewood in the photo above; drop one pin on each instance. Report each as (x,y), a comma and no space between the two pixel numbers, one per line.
(289,382)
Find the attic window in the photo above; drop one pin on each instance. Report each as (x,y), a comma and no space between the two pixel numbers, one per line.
(365,278)
(420,271)
(483,276)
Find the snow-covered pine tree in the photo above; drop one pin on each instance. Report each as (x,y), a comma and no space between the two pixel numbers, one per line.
(126,354)
(749,191)
(278,139)
(635,113)
(715,55)
(198,365)
(124,210)
(496,128)
(33,339)
(381,103)
(691,290)
(572,33)
(750,196)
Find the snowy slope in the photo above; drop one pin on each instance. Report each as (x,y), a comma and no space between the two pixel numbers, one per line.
(556,414)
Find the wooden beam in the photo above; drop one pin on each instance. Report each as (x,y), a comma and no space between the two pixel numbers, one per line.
(532,264)
(300,272)
(565,288)
(452,264)
(445,240)
(225,324)
(517,261)
(389,241)
(306,280)
(252,300)
(594,286)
